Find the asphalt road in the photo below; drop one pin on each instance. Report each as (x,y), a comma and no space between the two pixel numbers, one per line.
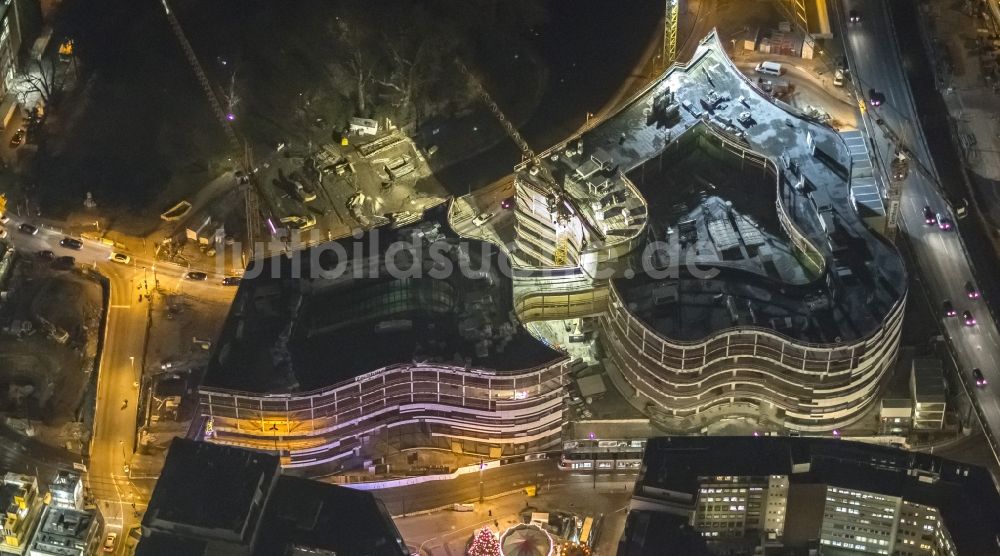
(943,263)
(503,479)
(121,364)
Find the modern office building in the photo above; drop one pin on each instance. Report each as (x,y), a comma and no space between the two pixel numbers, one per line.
(316,362)
(726,253)
(214,500)
(795,495)
(66,532)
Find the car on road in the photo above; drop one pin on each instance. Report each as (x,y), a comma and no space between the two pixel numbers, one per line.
(968,318)
(17,139)
(971,291)
(875,98)
(46,255)
(838,78)
(28,229)
(949,310)
(944,223)
(854,16)
(120,258)
(507,203)
(231,281)
(930,217)
(71,243)
(978,376)
(110,541)
(482,218)
(195,275)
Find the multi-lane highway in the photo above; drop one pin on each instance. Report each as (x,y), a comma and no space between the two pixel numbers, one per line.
(942,261)
(121,363)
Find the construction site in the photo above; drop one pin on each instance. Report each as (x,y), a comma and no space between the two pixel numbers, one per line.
(49,322)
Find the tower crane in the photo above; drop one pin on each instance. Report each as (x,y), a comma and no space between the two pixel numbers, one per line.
(238,144)
(560,204)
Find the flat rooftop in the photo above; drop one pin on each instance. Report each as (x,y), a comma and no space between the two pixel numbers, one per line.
(62,531)
(310,514)
(341,309)
(964,494)
(703,204)
(196,472)
(206,486)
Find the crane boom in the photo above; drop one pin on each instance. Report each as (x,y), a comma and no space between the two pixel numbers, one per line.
(237,144)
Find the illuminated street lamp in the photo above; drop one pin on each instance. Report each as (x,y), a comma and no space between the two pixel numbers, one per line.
(274,429)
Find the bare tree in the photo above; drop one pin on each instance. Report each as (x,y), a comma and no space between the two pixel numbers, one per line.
(42,79)
(406,74)
(360,60)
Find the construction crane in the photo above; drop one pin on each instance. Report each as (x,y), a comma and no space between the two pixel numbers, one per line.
(225,119)
(526,152)
(559,203)
(671,15)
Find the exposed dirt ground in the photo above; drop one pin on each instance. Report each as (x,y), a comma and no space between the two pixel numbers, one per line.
(43,373)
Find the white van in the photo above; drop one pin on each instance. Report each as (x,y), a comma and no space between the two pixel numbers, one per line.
(838,78)
(769,68)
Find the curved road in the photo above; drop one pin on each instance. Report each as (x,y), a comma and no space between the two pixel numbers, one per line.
(121,363)
(942,260)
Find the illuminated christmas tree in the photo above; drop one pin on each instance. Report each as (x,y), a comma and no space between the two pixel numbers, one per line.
(484,543)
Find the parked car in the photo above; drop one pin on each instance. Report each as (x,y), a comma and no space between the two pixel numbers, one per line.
(63,263)
(971,290)
(46,255)
(3,233)
(71,243)
(28,229)
(482,218)
(196,275)
(110,541)
(968,318)
(949,310)
(978,376)
(17,139)
(121,258)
